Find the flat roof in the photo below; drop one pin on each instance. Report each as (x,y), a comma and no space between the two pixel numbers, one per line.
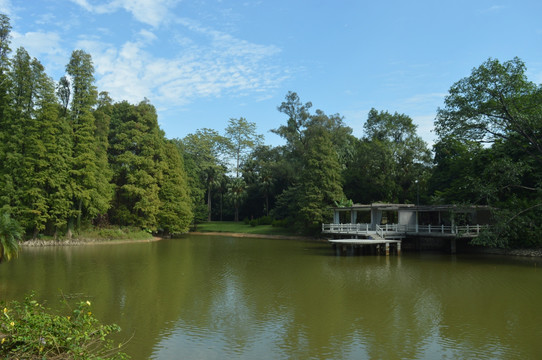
(386,206)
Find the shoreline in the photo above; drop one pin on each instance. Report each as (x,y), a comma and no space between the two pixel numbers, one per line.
(527,253)
(258,236)
(78,242)
(84,242)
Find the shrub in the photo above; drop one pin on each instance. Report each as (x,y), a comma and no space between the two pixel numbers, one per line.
(280,223)
(28,330)
(265,220)
(254,222)
(246,221)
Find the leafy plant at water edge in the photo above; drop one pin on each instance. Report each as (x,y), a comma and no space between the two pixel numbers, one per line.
(28,330)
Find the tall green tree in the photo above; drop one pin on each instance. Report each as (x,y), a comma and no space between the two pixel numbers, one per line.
(237,192)
(496,102)
(175,213)
(390,159)
(242,138)
(136,154)
(90,176)
(202,152)
(5,31)
(497,106)
(311,139)
(36,147)
(5,105)
(456,166)
(319,185)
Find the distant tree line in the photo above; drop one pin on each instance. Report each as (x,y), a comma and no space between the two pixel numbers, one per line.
(72,157)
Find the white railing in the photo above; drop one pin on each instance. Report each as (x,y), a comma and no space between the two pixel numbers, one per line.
(396,228)
(346,228)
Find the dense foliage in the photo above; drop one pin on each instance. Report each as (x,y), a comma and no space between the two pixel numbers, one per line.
(71,157)
(490,150)
(28,330)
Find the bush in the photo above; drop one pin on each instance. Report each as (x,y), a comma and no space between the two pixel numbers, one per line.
(28,330)
(254,222)
(265,220)
(280,223)
(246,221)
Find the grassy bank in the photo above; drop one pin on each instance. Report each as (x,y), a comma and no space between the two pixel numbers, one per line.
(94,235)
(242,228)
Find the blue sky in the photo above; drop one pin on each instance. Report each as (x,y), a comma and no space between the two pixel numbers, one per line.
(202,62)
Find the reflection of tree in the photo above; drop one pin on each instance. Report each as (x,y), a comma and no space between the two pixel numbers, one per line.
(255,298)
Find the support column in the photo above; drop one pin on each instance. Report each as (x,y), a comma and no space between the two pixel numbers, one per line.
(387,249)
(399,248)
(353,216)
(452,246)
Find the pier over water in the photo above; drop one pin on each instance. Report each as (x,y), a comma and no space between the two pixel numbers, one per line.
(381,225)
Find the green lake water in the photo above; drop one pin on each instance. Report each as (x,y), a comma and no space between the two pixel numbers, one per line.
(202,297)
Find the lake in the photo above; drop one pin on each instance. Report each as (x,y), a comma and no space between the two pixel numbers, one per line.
(204,297)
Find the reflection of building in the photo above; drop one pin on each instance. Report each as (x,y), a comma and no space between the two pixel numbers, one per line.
(389,223)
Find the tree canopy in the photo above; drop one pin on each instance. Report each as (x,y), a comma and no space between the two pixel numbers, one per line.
(72,157)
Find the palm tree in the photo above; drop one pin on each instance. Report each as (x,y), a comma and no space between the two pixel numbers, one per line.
(266,184)
(237,192)
(10,234)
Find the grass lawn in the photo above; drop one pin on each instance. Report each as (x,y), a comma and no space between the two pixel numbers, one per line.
(240,227)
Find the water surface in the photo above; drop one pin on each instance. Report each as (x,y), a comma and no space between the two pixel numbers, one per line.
(203,297)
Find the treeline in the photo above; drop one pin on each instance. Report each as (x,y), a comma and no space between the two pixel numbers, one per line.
(72,157)
(488,152)
(321,165)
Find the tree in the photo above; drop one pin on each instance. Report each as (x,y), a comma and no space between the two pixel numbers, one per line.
(298,115)
(495,102)
(242,138)
(136,155)
(37,148)
(202,151)
(10,234)
(456,166)
(90,175)
(319,183)
(389,160)
(175,213)
(237,192)
(5,103)
(317,147)
(497,105)
(5,30)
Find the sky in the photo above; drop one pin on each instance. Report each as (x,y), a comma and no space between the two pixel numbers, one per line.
(202,62)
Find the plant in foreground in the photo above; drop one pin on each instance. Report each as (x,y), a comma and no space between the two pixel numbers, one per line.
(28,330)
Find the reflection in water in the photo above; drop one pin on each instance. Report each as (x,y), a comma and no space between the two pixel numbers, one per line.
(220,297)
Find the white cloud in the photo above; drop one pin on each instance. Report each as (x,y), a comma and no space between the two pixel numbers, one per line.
(224,65)
(38,43)
(151,12)
(6,7)
(426,124)
(495,8)
(147,36)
